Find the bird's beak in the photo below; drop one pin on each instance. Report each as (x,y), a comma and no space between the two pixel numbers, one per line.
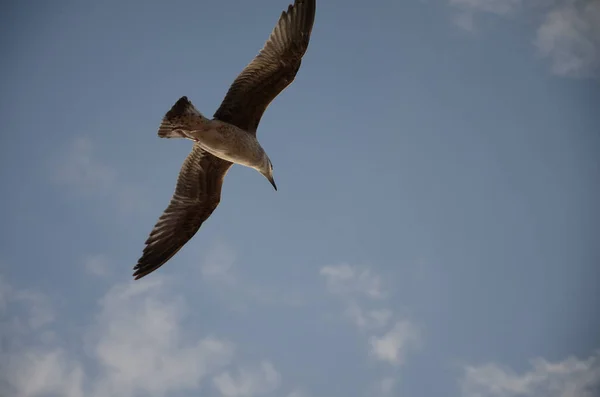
(272,183)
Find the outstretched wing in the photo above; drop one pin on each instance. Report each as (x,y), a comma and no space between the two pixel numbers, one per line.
(272,70)
(196,196)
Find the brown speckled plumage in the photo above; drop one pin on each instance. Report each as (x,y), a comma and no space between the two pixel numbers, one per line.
(198,190)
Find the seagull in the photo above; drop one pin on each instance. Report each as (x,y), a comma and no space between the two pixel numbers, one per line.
(230,137)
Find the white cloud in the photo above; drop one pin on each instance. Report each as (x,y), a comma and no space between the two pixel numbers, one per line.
(38,372)
(393,345)
(569,35)
(353,285)
(356,288)
(136,345)
(464,18)
(570,38)
(40,312)
(37,306)
(345,280)
(248,382)
(377,318)
(139,342)
(79,170)
(33,371)
(571,377)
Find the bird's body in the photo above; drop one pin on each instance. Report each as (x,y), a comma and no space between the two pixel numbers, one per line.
(219,138)
(230,137)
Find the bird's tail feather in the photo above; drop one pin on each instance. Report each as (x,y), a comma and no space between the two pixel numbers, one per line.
(178,121)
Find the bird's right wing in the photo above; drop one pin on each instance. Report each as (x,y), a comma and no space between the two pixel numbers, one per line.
(196,196)
(272,70)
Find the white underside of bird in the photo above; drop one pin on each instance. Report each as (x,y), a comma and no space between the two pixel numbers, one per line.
(217,137)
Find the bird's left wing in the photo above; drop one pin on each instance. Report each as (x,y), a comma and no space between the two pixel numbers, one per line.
(196,196)
(272,70)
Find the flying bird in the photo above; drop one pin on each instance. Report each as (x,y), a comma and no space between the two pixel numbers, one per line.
(228,138)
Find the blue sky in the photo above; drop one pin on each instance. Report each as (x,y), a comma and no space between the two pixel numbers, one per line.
(433,234)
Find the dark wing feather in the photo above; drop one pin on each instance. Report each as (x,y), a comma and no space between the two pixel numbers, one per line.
(272,70)
(196,196)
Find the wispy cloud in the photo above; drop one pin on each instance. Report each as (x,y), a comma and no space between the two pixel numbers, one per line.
(570,38)
(27,366)
(36,305)
(373,319)
(136,344)
(467,9)
(79,170)
(141,346)
(345,279)
(392,347)
(248,382)
(571,377)
(354,286)
(362,292)
(38,372)
(569,34)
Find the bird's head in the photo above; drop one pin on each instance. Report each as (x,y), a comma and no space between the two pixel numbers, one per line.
(267,170)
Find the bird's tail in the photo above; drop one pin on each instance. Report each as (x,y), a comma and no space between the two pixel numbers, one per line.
(180,120)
